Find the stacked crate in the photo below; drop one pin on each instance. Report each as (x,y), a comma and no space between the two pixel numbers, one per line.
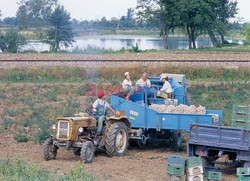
(175,168)
(240,117)
(194,169)
(243,174)
(212,173)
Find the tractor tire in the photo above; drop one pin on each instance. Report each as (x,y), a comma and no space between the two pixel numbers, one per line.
(177,138)
(116,142)
(87,152)
(77,151)
(49,150)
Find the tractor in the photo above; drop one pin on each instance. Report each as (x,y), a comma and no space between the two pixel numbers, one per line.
(79,133)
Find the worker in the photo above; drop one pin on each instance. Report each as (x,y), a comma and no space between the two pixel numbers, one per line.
(144,81)
(166,88)
(99,109)
(127,86)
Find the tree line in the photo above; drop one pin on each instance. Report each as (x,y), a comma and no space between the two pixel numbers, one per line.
(191,17)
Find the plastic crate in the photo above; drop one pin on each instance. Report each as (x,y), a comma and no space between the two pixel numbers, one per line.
(196,170)
(195,177)
(176,177)
(243,171)
(193,161)
(176,170)
(212,175)
(174,160)
(241,109)
(239,124)
(243,177)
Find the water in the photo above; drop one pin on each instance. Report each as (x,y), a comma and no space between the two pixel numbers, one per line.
(117,42)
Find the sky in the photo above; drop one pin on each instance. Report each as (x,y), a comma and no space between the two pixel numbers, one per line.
(96,9)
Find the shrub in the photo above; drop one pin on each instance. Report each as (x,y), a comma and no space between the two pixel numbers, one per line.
(11,40)
(20,136)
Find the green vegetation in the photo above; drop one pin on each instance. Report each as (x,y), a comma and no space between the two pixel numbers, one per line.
(11,41)
(115,74)
(19,170)
(220,97)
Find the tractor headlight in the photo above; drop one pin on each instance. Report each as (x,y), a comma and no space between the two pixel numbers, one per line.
(53,126)
(80,129)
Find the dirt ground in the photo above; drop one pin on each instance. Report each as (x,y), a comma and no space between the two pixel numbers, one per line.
(138,163)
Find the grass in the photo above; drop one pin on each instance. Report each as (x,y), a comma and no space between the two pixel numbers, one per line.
(19,170)
(115,74)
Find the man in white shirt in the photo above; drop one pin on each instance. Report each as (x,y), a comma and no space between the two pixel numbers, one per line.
(144,81)
(99,108)
(166,88)
(127,86)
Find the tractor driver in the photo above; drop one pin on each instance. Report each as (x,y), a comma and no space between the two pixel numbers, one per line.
(166,88)
(99,107)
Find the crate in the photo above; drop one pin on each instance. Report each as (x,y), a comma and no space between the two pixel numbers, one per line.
(241,109)
(243,171)
(212,175)
(193,161)
(243,177)
(196,170)
(195,177)
(176,170)
(174,160)
(239,124)
(176,177)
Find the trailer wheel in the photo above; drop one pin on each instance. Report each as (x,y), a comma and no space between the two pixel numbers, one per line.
(49,150)
(205,162)
(177,137)
(116,142)
(87,152)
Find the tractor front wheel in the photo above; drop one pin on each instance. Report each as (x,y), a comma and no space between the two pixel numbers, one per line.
(87,152)
(116,142)
(49,150)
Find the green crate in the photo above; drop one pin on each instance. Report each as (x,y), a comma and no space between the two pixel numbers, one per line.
(242,125)
(176,177)
(241,109)
(243,177)
(241,118)
(243,171)
(174,160)
(212,175)
(176,170)
(193,161)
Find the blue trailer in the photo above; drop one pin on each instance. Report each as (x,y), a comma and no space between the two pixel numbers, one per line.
(212,142)
(148,124)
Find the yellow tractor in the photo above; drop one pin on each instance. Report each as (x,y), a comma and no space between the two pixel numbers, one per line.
(80,134)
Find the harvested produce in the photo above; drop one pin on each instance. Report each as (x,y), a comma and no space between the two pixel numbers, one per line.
(181,109)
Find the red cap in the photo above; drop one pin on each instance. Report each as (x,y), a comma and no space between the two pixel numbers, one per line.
(101,94)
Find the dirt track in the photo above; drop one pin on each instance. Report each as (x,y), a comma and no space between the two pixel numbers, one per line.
(137,164)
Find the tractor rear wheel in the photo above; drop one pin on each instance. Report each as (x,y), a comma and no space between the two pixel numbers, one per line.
(49,150)
(116,142)
(87,152)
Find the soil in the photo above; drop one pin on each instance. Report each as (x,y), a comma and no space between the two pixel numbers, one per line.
(138,163)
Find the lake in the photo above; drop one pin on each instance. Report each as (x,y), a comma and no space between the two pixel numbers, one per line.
(117,42)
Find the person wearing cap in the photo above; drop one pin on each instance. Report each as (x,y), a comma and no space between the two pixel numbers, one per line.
(166,88)
(99,108)
(144,81)
(127,86)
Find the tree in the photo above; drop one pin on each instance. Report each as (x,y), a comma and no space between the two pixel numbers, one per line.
(11,41)
(165,13)
(62,32)
(34,12)
(224,11)
(247,32)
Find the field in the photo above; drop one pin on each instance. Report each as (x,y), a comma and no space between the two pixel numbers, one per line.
(33,94)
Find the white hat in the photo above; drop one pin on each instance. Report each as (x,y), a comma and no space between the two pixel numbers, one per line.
(127,73)
(164,77)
